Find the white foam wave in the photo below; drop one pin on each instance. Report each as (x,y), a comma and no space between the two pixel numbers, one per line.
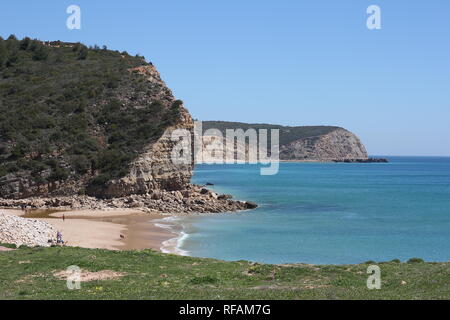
(173,245)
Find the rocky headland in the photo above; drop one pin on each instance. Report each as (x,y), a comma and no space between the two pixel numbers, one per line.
(303,143)
(96,140)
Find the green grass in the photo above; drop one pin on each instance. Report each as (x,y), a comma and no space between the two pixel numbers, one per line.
(27,273)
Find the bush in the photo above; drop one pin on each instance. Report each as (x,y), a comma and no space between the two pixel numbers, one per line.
(203,280)
(41,53)
(415,260)
(58,174)
(81,164)
(83,53)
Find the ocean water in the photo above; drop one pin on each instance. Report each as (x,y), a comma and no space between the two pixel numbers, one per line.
(327,213)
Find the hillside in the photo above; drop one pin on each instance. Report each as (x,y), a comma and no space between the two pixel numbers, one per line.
(316,143)
(77,120)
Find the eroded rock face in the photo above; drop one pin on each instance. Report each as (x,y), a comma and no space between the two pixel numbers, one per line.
(153,169)
(339,144)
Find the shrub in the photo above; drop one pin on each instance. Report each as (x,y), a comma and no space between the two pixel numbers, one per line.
(203,280)
(81,164)
(58,174)
(415,260)
(83,53)
(41,53)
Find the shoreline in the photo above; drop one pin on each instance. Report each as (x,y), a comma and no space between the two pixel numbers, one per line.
(118,229)
(173,245)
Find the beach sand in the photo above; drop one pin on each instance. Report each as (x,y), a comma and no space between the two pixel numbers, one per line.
(103,228)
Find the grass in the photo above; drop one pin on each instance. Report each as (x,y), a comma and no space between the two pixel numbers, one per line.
(28,273)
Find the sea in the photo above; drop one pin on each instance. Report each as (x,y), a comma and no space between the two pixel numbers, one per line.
(324,213)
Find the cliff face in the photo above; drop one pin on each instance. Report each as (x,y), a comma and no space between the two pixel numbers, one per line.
(339,144)
(103,131)
(311,143)
(153,169)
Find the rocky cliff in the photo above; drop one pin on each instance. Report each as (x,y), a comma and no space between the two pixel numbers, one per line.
(338,144)
(309,143)
(85,121)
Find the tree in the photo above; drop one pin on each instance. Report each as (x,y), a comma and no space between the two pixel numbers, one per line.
(83,53)
(24,43)
(41,53)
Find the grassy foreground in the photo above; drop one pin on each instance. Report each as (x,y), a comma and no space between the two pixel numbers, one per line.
(29,274)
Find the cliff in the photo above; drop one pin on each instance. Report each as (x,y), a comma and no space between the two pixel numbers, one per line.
(308,143)
(78,120)
(339,144)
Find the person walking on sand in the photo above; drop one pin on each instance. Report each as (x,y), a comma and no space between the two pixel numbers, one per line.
(64,217)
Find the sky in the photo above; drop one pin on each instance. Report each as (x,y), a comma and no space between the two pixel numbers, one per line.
(288,62)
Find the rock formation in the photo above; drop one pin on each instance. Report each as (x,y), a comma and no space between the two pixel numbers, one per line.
(318,143)
(338,144)
(99,139)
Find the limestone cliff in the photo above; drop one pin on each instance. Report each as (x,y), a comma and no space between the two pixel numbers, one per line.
(338,144)
(85,121)
(153,169)
(312,143)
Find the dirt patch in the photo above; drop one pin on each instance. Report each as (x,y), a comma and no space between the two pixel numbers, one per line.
(29,278)
(87,276)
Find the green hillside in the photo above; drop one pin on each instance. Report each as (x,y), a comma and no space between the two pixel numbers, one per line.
(68,111)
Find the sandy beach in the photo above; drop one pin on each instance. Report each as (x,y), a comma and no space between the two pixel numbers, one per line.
(118,229)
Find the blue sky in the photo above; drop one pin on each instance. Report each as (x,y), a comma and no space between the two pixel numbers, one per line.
(293,62)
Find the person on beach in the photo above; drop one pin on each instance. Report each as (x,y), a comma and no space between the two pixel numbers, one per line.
(64,217)
(59,238)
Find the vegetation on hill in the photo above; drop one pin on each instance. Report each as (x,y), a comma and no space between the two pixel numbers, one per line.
(287,134)
(67,111)
(30,274)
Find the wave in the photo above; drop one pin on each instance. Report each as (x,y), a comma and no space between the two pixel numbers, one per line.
(173,245)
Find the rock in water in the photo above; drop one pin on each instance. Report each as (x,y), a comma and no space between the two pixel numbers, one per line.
(250,205)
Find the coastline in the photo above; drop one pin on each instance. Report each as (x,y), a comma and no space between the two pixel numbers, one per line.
(117,229)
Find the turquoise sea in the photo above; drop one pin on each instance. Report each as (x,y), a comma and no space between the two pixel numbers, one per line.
(327,213)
